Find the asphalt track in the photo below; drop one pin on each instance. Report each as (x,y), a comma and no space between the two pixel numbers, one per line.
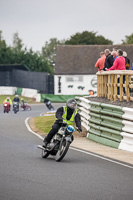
(25,175)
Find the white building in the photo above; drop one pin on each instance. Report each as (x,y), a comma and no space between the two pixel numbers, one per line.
(74,72)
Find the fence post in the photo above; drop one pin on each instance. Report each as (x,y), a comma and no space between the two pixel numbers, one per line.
(115,88)
(127,88)
(112,88)
(121,87)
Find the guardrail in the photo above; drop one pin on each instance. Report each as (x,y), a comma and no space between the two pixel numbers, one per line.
(109,82)
(107,124)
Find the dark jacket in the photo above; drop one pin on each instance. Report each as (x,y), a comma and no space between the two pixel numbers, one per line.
(60,112)
(108,61)
(16,99)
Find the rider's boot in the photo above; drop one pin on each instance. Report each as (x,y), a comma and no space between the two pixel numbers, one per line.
(45,143)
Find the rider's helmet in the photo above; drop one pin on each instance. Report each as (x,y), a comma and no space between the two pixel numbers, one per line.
(22,99)
(16,95)
(72,104)
(8,98)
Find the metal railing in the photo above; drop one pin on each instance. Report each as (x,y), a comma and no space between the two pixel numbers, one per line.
(115,84)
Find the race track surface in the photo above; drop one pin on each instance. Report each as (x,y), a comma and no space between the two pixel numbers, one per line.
(25,175)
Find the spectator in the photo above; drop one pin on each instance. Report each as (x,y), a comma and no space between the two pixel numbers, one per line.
(114,54)
(109,59)
(100,62)
(119,64)
(115,49)
(127,60)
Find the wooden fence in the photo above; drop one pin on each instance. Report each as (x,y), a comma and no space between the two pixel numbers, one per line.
(109,82)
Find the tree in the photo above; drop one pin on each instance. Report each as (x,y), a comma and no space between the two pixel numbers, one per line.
(17,42)
(87,38)
(15,55)
(48,51)
(1,36)
(128,40)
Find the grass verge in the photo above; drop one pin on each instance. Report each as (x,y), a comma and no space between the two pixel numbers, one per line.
(44,123)
(27,99)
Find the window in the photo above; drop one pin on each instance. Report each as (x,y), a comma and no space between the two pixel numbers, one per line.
(74,78)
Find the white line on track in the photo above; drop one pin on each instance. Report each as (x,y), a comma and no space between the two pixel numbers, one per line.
(81,151)
(29,129)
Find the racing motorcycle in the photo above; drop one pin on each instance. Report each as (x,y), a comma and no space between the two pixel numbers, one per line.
(59,144)
(15,107)
(48,104)
(26,106)
(6,106)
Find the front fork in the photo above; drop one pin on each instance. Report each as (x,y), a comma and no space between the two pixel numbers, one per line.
(61,142)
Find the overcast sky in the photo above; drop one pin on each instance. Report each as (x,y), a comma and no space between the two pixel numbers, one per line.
(36,21)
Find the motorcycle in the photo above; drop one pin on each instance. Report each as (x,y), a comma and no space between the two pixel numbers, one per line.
(59,144)
(26,106)
(48,104)
(15,107)
(6,106)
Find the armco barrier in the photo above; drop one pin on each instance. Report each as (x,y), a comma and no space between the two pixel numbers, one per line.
(107,124)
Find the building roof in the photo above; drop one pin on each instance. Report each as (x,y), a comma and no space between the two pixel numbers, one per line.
(81,59)
(10,67)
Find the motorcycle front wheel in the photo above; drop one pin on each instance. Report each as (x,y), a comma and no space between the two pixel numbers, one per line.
(45,154)
(62,152)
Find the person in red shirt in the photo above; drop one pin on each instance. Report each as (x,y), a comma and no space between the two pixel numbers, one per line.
(119,63)
(100,62)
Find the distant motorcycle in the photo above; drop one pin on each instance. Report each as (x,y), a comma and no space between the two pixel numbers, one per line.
(48,104)
(15,107)
(26,106)
(6,106)
(59,144)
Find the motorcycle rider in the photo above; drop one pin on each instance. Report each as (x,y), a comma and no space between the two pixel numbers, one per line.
(17,100)
(23,103)
(66,114)
(48,104)
(8,100)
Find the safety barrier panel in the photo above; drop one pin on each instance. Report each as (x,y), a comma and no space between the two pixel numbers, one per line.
(107,124)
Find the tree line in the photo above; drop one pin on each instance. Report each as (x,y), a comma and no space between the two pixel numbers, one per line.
(44,61)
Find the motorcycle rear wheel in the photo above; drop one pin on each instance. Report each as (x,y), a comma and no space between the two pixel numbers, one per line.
(62,152)
(45,154)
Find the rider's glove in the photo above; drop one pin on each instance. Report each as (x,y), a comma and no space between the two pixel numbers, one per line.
(79,129)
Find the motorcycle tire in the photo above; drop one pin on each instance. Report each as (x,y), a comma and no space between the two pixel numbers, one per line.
(15,111)
(45,154)
(62,152)
(29,108)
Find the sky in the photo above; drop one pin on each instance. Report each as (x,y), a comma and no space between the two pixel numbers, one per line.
(37,21)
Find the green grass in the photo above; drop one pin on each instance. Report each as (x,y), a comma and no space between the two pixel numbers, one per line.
(44,123)
(27,99)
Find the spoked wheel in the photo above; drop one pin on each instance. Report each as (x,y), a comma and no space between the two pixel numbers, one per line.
(62,152)
(45,154)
